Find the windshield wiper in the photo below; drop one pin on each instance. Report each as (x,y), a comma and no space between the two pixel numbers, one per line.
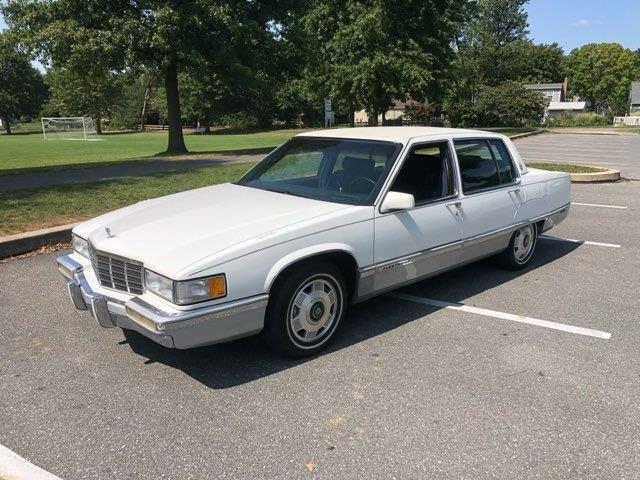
(286,192)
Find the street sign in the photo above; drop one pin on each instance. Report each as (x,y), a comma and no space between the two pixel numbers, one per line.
(327,104)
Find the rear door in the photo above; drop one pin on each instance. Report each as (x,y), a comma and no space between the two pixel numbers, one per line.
(413,243)
(491,195)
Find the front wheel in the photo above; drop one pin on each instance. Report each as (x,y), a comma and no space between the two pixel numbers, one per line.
(521,248)
(305,309)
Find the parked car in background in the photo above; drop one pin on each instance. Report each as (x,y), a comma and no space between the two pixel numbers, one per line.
(326,220)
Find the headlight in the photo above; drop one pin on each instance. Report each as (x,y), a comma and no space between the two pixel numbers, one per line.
(80,245)
(159,285)
(188,291)
(194,291)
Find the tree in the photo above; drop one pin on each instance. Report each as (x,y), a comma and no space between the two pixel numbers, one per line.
(505,105)
(537,63)
(371,52)
(602,73)
(92,93)
(491,41)
(160,35)
(22,90)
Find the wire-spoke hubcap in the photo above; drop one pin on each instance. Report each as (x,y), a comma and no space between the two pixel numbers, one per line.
(313,310)
(524,243)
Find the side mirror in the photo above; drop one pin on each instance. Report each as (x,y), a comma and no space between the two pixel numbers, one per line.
(394,201)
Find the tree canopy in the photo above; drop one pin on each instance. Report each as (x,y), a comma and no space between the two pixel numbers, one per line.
(602,73)
(22,89)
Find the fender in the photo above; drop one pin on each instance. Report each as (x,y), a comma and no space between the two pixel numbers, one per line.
(303,253)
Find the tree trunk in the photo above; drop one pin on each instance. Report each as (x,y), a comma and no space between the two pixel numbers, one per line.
(384,119)
(145,101)
(96,120)
(373,117)
(351,113)
(207,126)
(7,126)
(176,139)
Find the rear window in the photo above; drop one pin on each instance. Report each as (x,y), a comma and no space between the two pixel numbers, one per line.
(477,166)
(484,164)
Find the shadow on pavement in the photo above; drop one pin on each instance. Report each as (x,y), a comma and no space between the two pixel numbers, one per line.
(227,365)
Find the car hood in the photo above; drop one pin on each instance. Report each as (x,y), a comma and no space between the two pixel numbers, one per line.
(170,233)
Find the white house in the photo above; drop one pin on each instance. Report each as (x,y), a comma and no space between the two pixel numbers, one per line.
(554,92)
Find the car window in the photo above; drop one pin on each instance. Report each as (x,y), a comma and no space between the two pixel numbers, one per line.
(425,173)
(336,170)
(477,166)
(503,159)
(296,164)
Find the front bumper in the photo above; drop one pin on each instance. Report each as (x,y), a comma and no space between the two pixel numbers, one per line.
(183,329)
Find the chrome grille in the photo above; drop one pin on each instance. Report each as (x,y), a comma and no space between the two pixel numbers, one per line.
(117,273)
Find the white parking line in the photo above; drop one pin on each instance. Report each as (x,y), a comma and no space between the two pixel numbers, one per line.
(618,207)
(584,242)
(13,466)
(504,316)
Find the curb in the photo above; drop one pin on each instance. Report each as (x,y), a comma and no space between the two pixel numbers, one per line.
(528,134)
(28,241)
(605,175)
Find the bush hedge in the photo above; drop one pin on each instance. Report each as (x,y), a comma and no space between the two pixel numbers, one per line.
(580,120)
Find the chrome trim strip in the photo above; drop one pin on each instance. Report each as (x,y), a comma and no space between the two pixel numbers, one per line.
(172,321)
(493,233)
(410,258)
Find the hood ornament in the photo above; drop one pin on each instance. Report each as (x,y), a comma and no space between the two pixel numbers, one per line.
(109,234)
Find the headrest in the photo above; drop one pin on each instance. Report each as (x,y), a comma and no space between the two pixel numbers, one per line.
(357,163)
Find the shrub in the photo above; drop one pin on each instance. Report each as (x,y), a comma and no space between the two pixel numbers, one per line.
(590,119)
(238,121)
(506,105)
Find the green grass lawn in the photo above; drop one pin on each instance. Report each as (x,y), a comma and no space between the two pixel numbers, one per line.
(19,153)
(559,167)
(26,210)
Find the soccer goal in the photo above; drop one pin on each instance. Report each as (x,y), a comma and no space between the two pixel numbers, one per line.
(69,128)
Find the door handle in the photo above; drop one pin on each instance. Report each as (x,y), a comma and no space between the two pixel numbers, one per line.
(457,206)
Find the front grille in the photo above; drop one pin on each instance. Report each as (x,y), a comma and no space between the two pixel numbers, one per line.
(117,273)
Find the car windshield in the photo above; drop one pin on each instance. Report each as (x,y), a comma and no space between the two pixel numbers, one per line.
(334,170)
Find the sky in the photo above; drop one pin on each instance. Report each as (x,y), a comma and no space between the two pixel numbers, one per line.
(571,23)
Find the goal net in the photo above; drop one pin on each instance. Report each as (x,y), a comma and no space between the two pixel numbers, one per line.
(69,128)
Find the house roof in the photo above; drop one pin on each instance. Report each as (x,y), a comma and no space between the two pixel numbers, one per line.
(543,86)
(392,134)
(634,95)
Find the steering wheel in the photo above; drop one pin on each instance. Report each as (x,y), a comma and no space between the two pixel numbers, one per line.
(362,181)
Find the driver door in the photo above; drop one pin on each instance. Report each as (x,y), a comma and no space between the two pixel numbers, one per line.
(426,239)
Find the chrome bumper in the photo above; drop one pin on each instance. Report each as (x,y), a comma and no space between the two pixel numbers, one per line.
(185,329)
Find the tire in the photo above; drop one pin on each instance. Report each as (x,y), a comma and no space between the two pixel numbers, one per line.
(521,249)
(306,307)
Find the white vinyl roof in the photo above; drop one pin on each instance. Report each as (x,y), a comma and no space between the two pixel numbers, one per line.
(391,134)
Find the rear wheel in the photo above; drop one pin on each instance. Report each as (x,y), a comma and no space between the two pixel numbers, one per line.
(521,248)
(305,309)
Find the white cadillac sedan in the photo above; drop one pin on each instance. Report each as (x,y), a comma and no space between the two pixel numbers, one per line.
(328,219)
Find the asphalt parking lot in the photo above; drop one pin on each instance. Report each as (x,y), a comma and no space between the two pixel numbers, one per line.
(408,390)
(621,152)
